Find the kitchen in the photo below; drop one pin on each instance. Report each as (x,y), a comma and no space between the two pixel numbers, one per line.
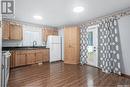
(30,44)
(27,44)
(65,43)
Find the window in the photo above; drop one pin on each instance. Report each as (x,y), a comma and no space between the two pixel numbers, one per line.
(90,38)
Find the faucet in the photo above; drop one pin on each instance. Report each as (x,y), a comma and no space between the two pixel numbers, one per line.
(34,43)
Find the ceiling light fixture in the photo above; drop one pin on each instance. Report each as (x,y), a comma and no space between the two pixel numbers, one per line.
(78,9)
(37,17)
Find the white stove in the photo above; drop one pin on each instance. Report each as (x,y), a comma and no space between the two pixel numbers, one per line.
(5,68)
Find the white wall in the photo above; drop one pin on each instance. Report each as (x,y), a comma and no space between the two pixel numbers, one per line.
(124,28)
(30,34)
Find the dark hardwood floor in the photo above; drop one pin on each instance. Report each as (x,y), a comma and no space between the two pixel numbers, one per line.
(64,75)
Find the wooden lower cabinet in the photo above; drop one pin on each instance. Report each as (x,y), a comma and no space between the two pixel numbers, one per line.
(46,55)
(30,57)
(12,59)
(27,57)
(39,56)
(20,58)
(42,56)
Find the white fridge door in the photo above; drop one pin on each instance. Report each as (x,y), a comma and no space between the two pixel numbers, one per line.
(55,52)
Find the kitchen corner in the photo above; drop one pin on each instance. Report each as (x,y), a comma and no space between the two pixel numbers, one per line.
(26,55)
(27,44)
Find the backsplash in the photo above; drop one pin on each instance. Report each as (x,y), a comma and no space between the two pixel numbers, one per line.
(11,43)
(30,34)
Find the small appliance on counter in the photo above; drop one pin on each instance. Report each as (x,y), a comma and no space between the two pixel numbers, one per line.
(5,63)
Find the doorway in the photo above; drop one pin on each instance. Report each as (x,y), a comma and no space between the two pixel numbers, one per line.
(92,46)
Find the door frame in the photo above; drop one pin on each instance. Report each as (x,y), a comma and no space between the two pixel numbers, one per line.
(96,28)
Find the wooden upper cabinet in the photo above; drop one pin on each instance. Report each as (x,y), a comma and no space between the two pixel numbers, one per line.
(16,32)
(72,45)
(55,32)
(49,31)
(44,34)
(5,31)
(11,31)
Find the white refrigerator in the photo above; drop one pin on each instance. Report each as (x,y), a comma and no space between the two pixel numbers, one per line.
(55,45)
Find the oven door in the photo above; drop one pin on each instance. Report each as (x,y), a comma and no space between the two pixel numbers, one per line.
(5,67)
(3,71)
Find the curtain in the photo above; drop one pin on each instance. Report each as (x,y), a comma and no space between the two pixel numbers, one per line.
(83,44)
(109,46)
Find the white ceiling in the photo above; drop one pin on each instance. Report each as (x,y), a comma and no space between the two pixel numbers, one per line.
(60,12)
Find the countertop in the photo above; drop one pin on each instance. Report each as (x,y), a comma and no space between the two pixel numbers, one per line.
(24,48)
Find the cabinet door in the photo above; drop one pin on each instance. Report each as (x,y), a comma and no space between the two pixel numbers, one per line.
(73,36)
(23,59)
(5,30)
(67,55)
(43,34)
(55,32)
(46,55)
(39,56)
(75,44)
(16,32)
(71,44)
(12,59)
(67,40)
(67,37)
(47,32)
(31,58)
(20,58)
